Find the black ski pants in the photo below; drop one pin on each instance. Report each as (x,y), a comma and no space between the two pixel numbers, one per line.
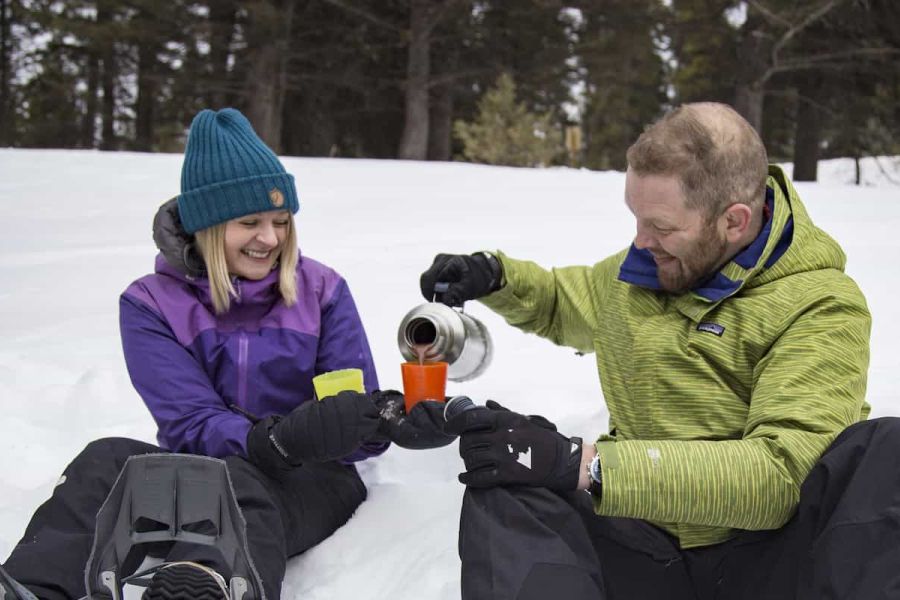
(284,517)
(523,543)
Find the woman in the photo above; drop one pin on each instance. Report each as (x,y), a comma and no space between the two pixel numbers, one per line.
(234,323)
(222,343)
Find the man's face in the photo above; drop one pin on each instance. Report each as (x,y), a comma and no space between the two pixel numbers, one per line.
(687,249)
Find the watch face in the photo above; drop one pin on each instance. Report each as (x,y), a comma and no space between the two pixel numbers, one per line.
(595,469)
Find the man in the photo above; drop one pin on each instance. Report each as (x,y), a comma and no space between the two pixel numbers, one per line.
(732,351)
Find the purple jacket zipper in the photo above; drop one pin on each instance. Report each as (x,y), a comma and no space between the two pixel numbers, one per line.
(243,351)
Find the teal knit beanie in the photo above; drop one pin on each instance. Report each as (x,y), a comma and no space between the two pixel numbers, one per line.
(229,172)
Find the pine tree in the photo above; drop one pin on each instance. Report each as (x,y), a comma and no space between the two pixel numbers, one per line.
(704,48)
(624,76)
(505,132)
(7,69)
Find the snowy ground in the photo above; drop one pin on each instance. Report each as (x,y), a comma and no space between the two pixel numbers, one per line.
(75,230)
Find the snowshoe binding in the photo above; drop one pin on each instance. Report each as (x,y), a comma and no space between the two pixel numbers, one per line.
(160,500)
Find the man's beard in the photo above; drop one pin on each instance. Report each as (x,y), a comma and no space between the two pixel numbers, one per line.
(701,263)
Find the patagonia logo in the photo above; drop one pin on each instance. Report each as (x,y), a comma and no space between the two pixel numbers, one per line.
(711,328)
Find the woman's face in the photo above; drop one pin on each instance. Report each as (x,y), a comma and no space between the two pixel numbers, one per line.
(254,242)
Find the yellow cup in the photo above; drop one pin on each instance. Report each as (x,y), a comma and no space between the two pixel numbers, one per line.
(333,382)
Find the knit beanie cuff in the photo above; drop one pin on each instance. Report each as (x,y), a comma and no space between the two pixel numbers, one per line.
(210,205)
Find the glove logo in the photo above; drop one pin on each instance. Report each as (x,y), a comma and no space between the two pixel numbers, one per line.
(523,458)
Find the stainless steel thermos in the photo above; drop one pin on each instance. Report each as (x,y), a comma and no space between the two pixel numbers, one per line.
(445,334)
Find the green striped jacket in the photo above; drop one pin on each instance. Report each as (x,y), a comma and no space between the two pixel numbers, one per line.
(718,408)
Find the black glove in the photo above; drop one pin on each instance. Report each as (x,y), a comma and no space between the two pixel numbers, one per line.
(316,431)
(468,277)
(501,447)
(421,429)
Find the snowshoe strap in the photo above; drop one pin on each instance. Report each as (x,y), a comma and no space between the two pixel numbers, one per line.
(161,498)
(8,586)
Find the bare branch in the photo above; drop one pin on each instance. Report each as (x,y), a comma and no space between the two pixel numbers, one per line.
(767,13)
(811,18)
(817,60)
(356,10)
(884,171)
(436,13)
(445,78)
(792,94)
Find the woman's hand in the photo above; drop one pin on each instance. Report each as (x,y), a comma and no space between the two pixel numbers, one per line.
(315,431)
(421,429)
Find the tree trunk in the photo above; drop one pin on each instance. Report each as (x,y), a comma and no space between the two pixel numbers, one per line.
(441,123)
(108,109)
(222,23)
(267,77)
(146,96)
(753,53)
(265,94)
(809,129)
(89,121)
(6,105)
(108,82)
(440,135)
(414,140)
(748,102)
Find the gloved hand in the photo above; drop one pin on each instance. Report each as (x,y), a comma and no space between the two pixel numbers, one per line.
(468,277)
(315,431)
(421,429)
(501,447)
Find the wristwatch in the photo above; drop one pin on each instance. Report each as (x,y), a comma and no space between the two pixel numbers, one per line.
(596,478)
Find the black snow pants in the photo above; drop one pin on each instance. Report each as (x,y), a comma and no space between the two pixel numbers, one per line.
(284,517)
(522,543)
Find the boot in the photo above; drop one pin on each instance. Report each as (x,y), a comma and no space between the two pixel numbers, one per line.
(186,581)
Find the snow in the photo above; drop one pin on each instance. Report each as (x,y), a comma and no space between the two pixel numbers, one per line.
(75,231)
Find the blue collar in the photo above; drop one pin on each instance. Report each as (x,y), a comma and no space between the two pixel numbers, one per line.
(639,268)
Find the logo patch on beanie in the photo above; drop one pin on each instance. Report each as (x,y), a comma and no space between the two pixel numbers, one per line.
(276,197)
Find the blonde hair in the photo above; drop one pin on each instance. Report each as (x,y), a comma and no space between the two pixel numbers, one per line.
(211,242)
(716,154)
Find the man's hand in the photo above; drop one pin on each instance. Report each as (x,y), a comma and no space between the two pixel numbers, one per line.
(501,447)
(467,277)
(315,431)
(421,429)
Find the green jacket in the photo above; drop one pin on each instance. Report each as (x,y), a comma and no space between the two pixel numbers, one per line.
(719,407)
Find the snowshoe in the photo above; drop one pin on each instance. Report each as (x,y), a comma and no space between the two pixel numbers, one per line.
(159,500)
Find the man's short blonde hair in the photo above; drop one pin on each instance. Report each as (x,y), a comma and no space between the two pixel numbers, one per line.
(716,154)
(211,242)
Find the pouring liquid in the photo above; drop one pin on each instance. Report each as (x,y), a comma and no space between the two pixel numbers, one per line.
(421,350)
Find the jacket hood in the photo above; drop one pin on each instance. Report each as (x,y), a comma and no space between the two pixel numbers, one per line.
(176,245)
(811,249)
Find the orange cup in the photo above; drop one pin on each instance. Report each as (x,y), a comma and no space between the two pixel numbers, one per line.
(423,382)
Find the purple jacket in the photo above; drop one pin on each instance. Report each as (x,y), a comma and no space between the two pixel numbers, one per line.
(203,376)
